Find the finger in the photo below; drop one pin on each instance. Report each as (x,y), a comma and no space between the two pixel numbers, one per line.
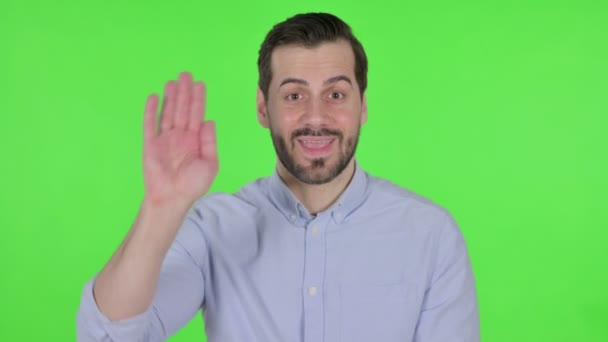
(150,117)
(208,141)
(166,119)
(197,110)
(184,94)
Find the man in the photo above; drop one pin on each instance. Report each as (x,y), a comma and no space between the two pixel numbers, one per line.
(319,251)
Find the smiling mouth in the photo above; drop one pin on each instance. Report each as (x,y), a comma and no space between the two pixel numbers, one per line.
(316,147)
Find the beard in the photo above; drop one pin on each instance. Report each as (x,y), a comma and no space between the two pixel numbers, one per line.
(319,171)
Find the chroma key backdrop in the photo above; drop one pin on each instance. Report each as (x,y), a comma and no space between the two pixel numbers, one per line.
(496,110)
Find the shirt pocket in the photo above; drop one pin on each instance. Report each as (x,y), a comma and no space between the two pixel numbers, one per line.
(378,312)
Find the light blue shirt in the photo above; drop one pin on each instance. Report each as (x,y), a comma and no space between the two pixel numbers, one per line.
(382,264)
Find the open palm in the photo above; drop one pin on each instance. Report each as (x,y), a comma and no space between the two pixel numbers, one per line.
(180,159)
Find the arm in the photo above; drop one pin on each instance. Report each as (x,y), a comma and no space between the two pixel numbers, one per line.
(177,296)
(449,310)
(126,285)
(180,164)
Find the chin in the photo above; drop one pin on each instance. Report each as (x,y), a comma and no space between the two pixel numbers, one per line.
(310,170)
(317,171)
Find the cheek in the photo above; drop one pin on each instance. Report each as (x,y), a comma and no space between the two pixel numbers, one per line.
(346,112)
(280,129)
(282,123)
(348,120)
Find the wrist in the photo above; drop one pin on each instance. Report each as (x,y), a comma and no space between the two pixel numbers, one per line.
(166,215)
(157,203)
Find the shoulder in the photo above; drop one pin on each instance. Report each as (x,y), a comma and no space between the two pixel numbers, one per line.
(247,201)
(390,194)
(407,206)
(229,222)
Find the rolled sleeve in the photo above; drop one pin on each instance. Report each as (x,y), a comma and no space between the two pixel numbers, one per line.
(179,296)
(93,325)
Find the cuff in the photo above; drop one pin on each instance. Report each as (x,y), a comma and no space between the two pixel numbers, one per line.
(93,325)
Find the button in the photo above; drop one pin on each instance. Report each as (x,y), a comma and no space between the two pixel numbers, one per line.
(292,217)
(312,291)
(315,229)
(338,215)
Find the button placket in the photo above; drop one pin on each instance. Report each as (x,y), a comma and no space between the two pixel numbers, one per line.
(314,273)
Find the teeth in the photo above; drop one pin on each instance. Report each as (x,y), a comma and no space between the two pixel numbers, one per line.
(316,142)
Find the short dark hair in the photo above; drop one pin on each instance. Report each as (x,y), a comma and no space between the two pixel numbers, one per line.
(309,30)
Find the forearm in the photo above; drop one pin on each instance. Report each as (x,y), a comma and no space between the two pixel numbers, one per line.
(127,284)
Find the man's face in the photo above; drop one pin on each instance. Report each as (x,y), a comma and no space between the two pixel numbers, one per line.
(314,109)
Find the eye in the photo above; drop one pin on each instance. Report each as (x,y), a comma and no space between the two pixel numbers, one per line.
(336,95)
(293,97)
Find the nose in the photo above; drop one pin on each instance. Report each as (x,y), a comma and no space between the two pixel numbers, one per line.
(316,114)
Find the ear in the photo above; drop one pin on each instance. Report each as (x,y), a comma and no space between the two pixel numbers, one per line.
(262,109)
(364,110)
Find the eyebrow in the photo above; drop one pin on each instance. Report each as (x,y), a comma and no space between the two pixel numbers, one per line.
(338,78)
(330,80)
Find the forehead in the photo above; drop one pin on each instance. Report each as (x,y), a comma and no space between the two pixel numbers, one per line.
(311,63)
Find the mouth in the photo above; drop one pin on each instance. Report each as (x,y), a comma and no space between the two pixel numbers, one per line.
(316,147)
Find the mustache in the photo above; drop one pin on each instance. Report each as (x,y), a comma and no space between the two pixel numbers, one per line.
(316,132)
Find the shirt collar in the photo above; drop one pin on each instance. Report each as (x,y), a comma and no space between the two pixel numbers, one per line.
(287,203)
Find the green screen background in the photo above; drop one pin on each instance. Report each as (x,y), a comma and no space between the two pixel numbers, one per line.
(496,111)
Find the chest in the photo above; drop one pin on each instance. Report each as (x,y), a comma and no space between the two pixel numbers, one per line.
(357,280)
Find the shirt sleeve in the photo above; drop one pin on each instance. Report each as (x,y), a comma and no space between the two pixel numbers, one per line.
(449,310)
(179,296)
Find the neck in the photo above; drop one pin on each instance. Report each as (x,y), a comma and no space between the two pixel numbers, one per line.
(317,198)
